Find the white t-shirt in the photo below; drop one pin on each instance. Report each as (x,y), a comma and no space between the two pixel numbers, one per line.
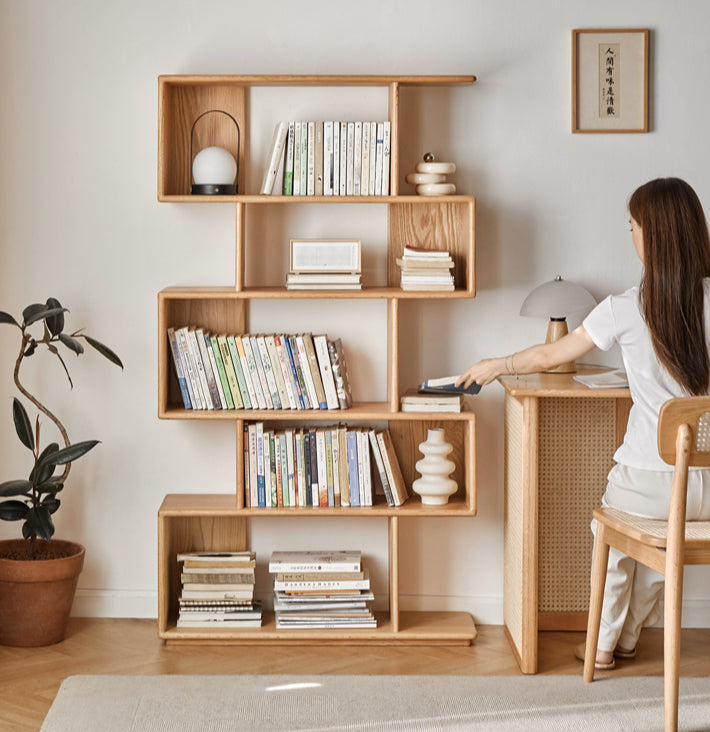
(618,319)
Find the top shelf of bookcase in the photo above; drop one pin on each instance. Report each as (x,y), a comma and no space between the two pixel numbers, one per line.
(317,80)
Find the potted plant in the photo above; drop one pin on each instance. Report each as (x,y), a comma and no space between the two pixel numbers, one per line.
(38,575)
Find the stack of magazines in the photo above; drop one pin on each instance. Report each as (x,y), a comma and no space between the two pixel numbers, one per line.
(426,269)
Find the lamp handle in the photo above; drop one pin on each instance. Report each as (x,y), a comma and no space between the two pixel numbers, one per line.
(192,134)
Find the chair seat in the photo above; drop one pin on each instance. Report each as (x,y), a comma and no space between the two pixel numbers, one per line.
(651,531)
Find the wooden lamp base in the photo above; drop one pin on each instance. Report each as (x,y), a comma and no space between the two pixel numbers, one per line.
(555,330)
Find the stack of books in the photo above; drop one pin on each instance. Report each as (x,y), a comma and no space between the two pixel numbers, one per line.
(321,589)
(265,371)
(426,269)
(218,591)
(336,466)
(416,401)
(323,281)
(330,158)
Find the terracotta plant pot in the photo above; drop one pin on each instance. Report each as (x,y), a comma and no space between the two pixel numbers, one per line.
(36,595)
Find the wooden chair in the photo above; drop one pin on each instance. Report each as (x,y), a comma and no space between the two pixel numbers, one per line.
(666,546)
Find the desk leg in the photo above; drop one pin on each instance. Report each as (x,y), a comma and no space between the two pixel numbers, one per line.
(520,587)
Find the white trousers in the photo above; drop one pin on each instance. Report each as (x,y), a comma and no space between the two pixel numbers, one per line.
(633,591)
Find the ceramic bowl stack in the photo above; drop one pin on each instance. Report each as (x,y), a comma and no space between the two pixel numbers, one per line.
(430,177)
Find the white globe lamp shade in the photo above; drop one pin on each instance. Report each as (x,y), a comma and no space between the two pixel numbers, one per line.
(214,171)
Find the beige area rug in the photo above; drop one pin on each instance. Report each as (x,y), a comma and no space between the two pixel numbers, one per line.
(228,703)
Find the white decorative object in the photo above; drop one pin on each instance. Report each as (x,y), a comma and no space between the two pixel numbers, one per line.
(430,177)
(214,165)
(435,486)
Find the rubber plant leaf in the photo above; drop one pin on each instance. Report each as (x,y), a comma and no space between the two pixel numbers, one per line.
(15,488)
(23,426)
(104,351)
(13,510)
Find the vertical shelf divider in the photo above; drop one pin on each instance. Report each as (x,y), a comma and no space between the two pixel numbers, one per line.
(394,571)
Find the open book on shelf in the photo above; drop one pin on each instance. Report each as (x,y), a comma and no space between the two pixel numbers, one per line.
(606,380)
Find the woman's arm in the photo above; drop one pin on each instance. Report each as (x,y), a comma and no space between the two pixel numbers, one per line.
(532,360)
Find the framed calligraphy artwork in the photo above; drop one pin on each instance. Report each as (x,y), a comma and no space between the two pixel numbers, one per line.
(610,80)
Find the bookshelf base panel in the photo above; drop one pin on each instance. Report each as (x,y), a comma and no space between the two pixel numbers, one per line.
(415,629)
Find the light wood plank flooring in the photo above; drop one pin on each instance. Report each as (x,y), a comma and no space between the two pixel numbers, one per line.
(29,678)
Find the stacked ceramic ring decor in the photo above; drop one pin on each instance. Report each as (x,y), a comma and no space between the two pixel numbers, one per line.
(430,177)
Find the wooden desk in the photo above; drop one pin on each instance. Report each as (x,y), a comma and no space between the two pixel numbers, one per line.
(560,437)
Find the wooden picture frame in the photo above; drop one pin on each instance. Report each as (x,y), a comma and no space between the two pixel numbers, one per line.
(610,80)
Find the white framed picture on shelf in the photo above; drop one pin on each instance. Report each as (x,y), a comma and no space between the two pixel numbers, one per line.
(325,255)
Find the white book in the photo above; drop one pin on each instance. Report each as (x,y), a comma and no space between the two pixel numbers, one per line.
(306,370)
(380,465)
(607,380)
(311,176)
(322,468)
(260,371)
(268,371)
(304,158)
(300,469)
(275,156)
(336,465)
(373,156)
(357,159)
(180,370)
(379,150)
(200,367)
(290,466)
(328,158)
(343,157)
(320,343)
(365,165)
(215,371)
(282,356)
(350,155)
(276,371)
(343,560)
(336,158)
(386,159)
(190,369)
(297,158)
(287,185)
(253,372)
(246,371)
(319,158)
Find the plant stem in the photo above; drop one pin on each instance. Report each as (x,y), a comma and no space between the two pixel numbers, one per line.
(23,346)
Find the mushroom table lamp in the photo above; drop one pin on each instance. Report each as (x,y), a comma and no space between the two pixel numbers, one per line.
(556,300)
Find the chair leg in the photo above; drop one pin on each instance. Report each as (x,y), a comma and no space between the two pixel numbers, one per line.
(599,563)
(673,603)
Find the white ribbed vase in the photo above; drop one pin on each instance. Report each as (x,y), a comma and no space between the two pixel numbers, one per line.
(435,486)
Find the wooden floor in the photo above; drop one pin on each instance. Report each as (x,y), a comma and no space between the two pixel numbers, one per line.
(29,678)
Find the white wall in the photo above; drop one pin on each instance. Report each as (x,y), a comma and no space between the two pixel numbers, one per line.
(79,221)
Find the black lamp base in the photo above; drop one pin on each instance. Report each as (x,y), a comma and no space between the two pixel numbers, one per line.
(214,189)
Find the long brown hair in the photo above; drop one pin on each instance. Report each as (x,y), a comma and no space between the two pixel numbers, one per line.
(676,254)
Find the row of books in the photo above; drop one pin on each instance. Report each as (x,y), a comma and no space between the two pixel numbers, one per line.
(265,371)
(315,589)
(330,158)
(218,591)
(321,466)
(426,269)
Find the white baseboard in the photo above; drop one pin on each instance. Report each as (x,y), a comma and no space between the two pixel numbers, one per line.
(93,603)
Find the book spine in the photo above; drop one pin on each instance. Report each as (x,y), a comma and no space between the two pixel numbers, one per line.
(350,164)
(311,177)
(275,156)
(207,368)
(357,159)
(379,463)
(307,494)
(315,495)
(278,471)
(304,158)
(250,373)
(300,475)
(353,481)
(335,462)
(319,158)
(252,488)
(261,372)
(300,379)
(373,156)
(287,186)
(276,371)
(394,472)
(365,165)
(361,448)
(272,471)
(386,158)
(289,436)
(260,469)
(285,371)
(190,376)
(234,371)
(343,158)
(215,371)
(329,484)
(328,158)
(322,468)
(199,368)
(340,373)
(306,372)
(343,467)
(321,586)
(321,345)
(221,370)
(336,158)
(297,159)
(239,371)
(177,360)
(268,371)
(315,371)
(379,145)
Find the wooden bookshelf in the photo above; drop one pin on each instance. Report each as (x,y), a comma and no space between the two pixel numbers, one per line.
(188,522)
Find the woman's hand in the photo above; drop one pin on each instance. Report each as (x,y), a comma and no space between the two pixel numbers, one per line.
(483,372)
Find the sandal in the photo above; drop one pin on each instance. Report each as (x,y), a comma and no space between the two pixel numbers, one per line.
(621,653)
(579,654)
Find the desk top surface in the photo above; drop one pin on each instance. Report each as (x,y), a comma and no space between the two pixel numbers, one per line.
(560,385)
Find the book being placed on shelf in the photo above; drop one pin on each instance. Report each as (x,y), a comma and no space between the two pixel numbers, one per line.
(416,401)
(447,385)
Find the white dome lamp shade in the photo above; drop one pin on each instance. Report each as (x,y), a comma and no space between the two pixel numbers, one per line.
(214,171)
(556,300)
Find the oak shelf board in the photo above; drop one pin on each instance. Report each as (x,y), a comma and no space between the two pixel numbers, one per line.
(315,80)
(276,293)
(359,411)
(278,199)
(224,504)
(415,628)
